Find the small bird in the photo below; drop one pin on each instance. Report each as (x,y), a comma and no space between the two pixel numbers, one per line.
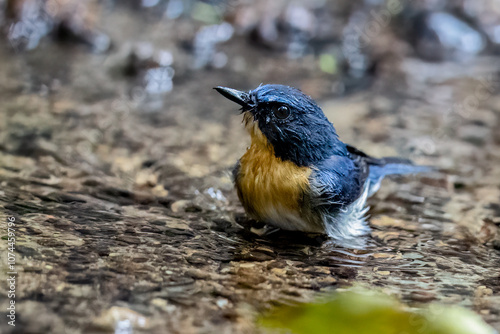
(297,174)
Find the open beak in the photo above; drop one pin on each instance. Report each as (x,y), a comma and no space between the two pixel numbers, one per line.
(242,98)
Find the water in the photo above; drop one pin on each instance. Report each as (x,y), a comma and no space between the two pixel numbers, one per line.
(126,209)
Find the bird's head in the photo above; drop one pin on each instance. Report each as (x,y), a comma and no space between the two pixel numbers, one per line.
(288,120)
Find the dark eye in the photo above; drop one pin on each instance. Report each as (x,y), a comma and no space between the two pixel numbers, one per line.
(282,112)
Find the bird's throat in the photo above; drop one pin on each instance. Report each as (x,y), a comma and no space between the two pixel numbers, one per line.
(253,129)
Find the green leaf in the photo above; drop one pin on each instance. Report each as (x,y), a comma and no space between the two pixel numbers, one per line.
(362,311)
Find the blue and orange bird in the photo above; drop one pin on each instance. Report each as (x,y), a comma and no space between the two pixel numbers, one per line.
(297,174)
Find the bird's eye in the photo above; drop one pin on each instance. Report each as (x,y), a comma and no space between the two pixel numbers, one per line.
(282,112)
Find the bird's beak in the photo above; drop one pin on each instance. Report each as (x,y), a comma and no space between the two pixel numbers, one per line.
(242,98)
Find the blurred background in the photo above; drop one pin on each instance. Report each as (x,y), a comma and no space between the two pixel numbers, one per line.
(115,155)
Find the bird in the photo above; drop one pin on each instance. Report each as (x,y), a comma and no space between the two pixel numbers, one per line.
(297,175)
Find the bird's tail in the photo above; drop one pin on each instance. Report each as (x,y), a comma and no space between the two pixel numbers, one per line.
(379,168)
(393,165)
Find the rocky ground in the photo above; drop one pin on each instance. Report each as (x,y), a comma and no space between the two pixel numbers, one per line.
(115,165)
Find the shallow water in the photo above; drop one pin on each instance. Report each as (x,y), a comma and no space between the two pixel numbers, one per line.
(123,198)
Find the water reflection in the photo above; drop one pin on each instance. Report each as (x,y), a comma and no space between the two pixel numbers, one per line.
(205,43)
(445,36)
(34,23)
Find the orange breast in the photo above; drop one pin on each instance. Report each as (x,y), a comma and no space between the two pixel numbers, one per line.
(271,190)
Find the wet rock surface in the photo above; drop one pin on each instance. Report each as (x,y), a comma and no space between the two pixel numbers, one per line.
(125,212)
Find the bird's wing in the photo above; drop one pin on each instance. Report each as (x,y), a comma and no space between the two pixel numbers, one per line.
(337,181)
(355,153)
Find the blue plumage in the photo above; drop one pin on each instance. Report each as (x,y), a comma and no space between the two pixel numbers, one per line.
(341,180)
